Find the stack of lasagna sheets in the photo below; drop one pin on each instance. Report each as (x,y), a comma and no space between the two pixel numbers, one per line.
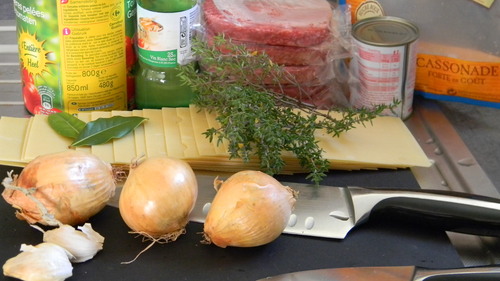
(178,132)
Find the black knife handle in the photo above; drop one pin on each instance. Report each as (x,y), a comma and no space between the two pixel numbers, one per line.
(453,211)
(483,273)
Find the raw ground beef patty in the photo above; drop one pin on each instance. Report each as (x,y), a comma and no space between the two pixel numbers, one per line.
(285,55)
(300,23)
(323,96)
(311,75)
(307,74)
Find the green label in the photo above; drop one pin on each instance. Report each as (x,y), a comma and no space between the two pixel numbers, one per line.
(164,39)
(159,58)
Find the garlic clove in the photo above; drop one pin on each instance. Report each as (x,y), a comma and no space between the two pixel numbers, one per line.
(43,262)
(83,244)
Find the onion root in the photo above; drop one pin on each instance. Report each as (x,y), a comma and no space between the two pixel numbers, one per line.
(167,238)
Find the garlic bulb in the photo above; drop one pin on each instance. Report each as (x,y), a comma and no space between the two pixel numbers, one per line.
(83,245)
(43,262)
(250,209)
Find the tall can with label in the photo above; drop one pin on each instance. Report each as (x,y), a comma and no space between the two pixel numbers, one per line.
(383,67)
(75,55)
(164,34)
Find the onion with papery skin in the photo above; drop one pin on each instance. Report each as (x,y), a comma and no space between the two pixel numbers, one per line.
(250,209)
(158,196)
(61,188)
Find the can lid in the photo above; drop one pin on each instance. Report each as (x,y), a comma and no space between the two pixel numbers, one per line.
(385,31)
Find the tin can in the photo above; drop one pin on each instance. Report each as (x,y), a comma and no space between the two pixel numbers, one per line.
(76,55)
(383,66)
(363,9)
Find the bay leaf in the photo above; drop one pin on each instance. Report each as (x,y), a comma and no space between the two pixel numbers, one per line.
(66,124)
(103,130)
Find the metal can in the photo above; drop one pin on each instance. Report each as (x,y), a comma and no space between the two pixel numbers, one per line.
(76,55)
(363,9)
(383,66)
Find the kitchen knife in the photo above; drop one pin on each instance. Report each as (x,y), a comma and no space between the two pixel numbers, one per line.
(331,212)
(391,273)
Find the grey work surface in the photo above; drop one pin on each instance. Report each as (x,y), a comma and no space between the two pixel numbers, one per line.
(479,128)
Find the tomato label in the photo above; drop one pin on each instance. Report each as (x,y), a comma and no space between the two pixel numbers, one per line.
(76,55)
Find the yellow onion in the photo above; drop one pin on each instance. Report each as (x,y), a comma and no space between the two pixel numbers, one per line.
(250,209)
(158,196)
(61,188)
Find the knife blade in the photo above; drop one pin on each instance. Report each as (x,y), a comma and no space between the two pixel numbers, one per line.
(331,212)
(390,273)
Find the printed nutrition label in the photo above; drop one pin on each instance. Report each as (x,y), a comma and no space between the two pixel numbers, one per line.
(92,34)
(380,73)
(383,76)
(80,51)
(85,12)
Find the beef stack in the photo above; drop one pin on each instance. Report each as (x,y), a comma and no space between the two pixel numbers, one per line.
(296,34)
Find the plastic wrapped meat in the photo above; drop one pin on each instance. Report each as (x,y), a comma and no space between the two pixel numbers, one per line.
(300,23)
(287,55)
(312,75)
(306,74)
(299,35)
(321,96)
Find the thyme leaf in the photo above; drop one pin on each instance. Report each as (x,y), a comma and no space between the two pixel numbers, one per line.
(256,121)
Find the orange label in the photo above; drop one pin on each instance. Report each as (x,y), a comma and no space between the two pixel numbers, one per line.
(363,9)
(453,77)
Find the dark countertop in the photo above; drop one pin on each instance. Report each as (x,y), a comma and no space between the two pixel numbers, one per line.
(383,241)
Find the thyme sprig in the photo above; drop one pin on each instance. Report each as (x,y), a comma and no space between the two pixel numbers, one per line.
(257,121)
